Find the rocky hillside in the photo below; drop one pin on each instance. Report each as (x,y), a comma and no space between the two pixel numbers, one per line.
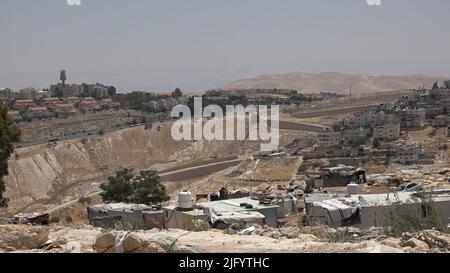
(336,82)
(53,173)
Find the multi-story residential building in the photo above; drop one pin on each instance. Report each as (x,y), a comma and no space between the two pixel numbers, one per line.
(412,118)
(351,136)
(440,121)
(369,120)
(6,94)
(329,137)
(58,90)
(97,90)
(74,90)
(408,153)
(387,132)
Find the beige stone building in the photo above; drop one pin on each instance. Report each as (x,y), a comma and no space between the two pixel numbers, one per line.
(387,132)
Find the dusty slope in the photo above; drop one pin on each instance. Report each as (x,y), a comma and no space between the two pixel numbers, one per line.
(52,173)
(336,82)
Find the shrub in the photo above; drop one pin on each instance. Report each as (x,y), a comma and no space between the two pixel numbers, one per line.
(432,133)
(418,213)
(341,236)
(68,219)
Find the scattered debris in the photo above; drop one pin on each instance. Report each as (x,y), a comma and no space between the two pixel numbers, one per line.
(31,218)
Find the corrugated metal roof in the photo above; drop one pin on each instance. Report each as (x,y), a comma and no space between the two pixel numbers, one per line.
(369,200)
(225,206)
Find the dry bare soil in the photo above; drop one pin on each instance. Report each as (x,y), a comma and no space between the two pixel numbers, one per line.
(335,82)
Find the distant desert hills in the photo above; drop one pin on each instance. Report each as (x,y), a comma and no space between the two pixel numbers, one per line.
(336,82)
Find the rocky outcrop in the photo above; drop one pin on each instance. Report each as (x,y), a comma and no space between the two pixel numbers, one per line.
(23,237)
(426,239)
(125,242)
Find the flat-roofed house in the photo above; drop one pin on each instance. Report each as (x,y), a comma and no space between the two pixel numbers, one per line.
(371,210)
(387,132)
(25,104)
(15,116)
(38,112)
(440,121)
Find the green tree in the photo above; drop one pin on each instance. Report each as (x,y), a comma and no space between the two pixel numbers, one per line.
(118,188)
(418,213)
(9,134)
(177,93)
(112,90)
(148,189)
(376,143)
(144,188)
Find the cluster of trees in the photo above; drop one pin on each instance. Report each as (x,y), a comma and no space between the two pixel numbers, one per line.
(177,93)
(9,134)
(144,188)
(232,100)
(140,101)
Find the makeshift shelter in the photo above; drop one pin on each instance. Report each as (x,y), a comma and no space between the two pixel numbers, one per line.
(133,216)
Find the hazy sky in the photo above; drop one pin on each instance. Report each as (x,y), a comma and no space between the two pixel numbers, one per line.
(199,44)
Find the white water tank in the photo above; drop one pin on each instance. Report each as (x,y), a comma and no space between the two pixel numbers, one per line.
(185,200)
(352,189)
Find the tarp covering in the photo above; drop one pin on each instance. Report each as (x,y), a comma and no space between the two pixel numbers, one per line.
(237,217)
(337,210)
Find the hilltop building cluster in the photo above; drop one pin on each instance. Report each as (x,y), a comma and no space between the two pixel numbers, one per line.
(59,101)
(53,107)
(383,127)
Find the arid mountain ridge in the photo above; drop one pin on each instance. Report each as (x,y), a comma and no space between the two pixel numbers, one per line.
(337,82)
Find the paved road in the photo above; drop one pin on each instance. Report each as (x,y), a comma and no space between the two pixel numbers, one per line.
(296,126)
(198,164)
(199,171)
(335,111)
